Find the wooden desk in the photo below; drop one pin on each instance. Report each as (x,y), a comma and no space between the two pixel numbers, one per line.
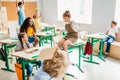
(78,44)
(48,27)
(92,38)
(27,58)
(44,36)
(7,43)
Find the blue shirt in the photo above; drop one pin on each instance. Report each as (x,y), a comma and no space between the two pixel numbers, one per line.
(21,15)
(42,75)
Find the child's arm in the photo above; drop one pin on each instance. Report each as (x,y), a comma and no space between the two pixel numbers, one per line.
(107,32)
(37,14)
(16,3)
(40,13)
(23,2)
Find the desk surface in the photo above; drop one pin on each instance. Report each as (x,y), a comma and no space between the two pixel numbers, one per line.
(97,35)
(45,34)
(8,41)
(48,25)
(78,42)
(28,55)
(37,53)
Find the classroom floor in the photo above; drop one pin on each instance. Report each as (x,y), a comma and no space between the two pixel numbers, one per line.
(108,70)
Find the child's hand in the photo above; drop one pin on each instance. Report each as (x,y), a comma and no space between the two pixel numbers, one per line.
(57,29)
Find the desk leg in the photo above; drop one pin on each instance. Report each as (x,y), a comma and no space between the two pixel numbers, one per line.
(23,69)
(40,42)
(46,29)
(101,50)
(79,59)
(82,55)
(7,62)
(51,39)
(91,56)
(54,32)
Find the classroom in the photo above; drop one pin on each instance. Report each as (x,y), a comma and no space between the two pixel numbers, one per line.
(59,39)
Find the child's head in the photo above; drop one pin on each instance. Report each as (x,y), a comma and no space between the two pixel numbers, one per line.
(22,37)
(28,22)
(66,16)
(20,4)
(113,24)
(34,16)
(56,66)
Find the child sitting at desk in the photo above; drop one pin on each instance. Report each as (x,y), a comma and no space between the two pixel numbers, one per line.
(29,28)
(22,45)
(112,33)
(53,69)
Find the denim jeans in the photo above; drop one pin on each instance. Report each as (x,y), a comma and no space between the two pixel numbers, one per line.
(109,40)
(29,67)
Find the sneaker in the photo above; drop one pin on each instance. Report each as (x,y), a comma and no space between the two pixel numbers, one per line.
(105,56)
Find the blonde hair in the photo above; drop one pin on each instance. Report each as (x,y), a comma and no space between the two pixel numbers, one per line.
(67,14)
(56,66)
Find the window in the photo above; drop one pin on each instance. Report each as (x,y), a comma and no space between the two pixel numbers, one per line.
(117,12)
(81,10)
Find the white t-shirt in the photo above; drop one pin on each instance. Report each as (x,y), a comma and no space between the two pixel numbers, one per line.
(112,31)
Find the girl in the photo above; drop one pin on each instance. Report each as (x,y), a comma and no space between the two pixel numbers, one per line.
(36,18)
(21,13)
(29,28)
(53,69)
(22,45)
(71,28)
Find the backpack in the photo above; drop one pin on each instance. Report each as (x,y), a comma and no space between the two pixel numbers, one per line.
(88,48)
(2,54)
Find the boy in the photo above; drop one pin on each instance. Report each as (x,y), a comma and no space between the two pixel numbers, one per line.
(21,13)
(112,33)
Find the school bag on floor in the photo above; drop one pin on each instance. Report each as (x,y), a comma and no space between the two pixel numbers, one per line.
(2,54)
(88,48)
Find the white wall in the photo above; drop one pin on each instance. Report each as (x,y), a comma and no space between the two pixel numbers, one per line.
(50,11)
(40,6)
(103,13)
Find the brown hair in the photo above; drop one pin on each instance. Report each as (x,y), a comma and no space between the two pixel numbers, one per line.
(26,24)
(56,66)
(67,14)
(34,16)
(20,3)
(115,23)
(20,36)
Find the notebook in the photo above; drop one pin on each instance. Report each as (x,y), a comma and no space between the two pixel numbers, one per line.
(47,53)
